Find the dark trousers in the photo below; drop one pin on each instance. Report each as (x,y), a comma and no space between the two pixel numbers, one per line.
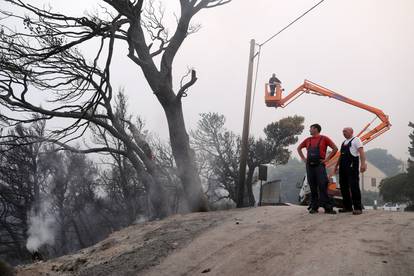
(318,183)
(272,89)
(349,182)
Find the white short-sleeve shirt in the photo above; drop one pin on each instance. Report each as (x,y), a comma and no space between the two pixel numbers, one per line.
(355,145)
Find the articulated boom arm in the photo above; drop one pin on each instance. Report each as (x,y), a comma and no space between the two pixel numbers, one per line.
(313,88)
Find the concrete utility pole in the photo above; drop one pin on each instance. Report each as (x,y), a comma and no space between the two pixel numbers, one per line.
(246,125)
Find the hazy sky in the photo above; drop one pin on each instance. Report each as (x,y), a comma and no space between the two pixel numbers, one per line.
(362,49)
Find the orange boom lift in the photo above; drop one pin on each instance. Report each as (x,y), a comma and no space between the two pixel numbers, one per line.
(365,134)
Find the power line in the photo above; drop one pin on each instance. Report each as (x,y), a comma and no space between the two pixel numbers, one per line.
(291,23)
(269,39)
(259,52)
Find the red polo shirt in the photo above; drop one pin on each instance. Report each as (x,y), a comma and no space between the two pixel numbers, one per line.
(313,141)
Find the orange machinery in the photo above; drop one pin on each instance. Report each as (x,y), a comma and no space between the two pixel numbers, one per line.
(309,87)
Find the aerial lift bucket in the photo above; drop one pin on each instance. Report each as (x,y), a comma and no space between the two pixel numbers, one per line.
(272,101)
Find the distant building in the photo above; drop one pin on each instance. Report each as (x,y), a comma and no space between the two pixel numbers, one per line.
(371,179)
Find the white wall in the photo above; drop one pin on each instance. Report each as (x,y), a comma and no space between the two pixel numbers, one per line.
(371,179)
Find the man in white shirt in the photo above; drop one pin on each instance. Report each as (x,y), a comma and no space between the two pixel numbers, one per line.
(352,150)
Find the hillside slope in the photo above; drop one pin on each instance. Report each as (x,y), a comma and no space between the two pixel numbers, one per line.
(282,240)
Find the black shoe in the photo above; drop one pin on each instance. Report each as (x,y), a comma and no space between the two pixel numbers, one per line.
(330,211)
(343,210)
(357,212)
(313,211)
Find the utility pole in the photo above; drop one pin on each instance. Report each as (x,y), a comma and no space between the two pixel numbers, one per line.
(246,125)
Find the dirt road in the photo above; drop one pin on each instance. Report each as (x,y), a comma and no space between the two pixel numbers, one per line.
(281,240)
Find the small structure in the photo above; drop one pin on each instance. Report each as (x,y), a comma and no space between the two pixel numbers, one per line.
(270,193)
(267,190)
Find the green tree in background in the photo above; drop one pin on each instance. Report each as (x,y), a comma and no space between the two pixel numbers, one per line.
(400,188)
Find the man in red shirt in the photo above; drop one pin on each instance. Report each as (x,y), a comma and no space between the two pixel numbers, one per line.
(316,147)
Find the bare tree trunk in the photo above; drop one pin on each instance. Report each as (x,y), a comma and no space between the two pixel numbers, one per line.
(153,187)
(22,252)
(78,234)
(87,232)
(148,43)
(62,237)
(185,157)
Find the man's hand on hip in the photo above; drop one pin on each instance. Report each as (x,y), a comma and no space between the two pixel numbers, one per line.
(325,161)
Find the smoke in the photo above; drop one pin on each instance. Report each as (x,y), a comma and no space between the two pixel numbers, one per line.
(141,219)
(41,228)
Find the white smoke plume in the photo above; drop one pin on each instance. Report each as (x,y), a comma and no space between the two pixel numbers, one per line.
(41,228)
(141,219)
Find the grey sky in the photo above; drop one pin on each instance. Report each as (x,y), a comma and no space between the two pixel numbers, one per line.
(362,49)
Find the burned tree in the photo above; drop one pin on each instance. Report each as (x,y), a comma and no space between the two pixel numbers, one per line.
(20,186)
(49,200)
(218,150)
(44,59)
(218,153)
(126,191)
